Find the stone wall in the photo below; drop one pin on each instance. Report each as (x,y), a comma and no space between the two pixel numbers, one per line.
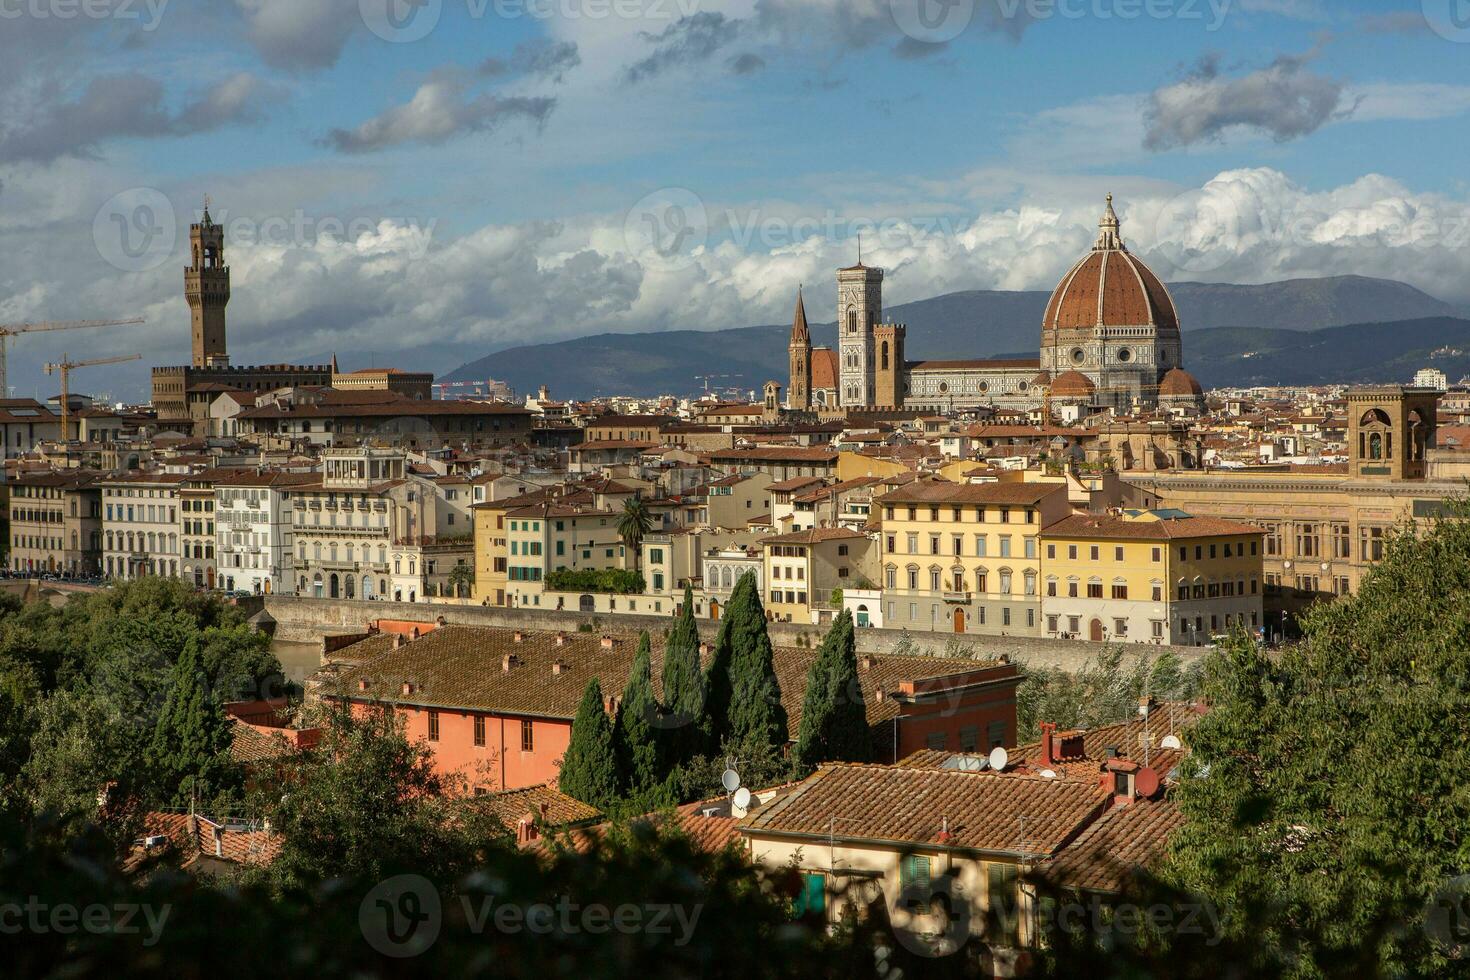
(303,619)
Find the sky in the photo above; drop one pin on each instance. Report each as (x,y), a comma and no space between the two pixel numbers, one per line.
(409,176)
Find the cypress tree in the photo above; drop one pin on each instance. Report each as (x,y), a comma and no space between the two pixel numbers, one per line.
(190,750)
(683,687)
(834,724)
(639,748)
(757,722)
(589,770)
(717,674)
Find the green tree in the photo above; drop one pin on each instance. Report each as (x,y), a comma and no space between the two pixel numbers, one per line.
(462,579)
(367,802)
(589,769)
(834,723)
(635,521)
(1325,798)
(735,622)
(190,751)
(757,721)
(683,686)
(640,755)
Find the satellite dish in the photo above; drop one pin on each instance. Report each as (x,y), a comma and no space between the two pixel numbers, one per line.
(730,779)
(742,798)
(1146,782)
(1048,774)
(1170,742)
(999,758)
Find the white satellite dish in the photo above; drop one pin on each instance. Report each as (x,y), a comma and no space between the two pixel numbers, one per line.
(730,779)
(1170,742)
(1048,774)
(742,798)
(999,758)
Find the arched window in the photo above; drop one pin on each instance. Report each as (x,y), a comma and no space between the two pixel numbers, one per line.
(884,356)
(1030,582)
(852,320)
(1005,581)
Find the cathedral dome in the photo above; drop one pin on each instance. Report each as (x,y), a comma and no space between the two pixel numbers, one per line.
(1109,287)
(1180,383)
(1073,384)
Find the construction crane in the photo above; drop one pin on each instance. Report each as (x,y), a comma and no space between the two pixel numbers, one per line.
(8,330)
(65,368)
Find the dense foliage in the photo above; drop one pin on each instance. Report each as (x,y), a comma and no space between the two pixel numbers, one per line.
(1105,690)
(615,581)
(834,722)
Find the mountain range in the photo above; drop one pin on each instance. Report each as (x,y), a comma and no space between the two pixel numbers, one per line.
(1276,333)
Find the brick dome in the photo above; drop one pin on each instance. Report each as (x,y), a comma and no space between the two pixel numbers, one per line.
(1109,287)
(1180,383)
(1073,384)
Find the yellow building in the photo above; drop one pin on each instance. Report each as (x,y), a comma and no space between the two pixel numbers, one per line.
(966,558)
(544,538)
(802,569)
(1151,577)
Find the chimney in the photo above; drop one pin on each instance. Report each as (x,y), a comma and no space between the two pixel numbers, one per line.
(362,684)
(397,640)
(610,704)
(866,662)
(508,661)
(545,809)
(561,638)
(1070,747)
(607,643)
(1146,705)
(518,636)
(704,649)
(1048,743)
(558,667)
(407,687)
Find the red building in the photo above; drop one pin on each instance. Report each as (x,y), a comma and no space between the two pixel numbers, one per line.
(496,705)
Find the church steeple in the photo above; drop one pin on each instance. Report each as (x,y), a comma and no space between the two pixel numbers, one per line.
(799,391)
(1108,236)
(799,332)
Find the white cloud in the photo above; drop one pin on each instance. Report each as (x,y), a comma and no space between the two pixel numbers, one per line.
(440,110)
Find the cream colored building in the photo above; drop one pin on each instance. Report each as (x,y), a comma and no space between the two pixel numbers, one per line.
(140,525)
(966,558)
(801,571)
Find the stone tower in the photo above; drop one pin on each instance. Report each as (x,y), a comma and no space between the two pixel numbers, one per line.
(889,371)
(1390,431)
(799,394)
(859,310)
(207,288)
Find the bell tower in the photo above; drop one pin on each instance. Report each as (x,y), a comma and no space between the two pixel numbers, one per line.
(207,289)
(799,394)
(859,310)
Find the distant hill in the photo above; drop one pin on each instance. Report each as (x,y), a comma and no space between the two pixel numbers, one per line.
(976,323)
(1361,353)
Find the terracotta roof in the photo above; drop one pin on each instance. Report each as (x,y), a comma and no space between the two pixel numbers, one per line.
(239,846)
(804,454)
(613,444)
(545,803)
(941,492)
(1009,813)
(824,369)
(1107,526)
(1180,382)
(1073,384)
(462,667)
(710,834)
(1109,287)
(795,483)
(1121,841)
(815,535)
(250,744)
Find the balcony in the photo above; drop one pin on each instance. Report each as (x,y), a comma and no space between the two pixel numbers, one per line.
(957,598)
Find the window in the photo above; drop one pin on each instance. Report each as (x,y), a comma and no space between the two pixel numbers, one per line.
(528,737)
(913,873)
(1158,592)
(936,740)
(433,726)
(1072,552)
(1158,555)
(969,738)
(1120,591)
(811,901)
(1051,551)
(479,729)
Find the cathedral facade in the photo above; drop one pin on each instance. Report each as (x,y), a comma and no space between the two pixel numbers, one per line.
(1109,340)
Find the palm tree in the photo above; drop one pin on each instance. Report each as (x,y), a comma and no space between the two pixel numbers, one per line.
(635,522)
